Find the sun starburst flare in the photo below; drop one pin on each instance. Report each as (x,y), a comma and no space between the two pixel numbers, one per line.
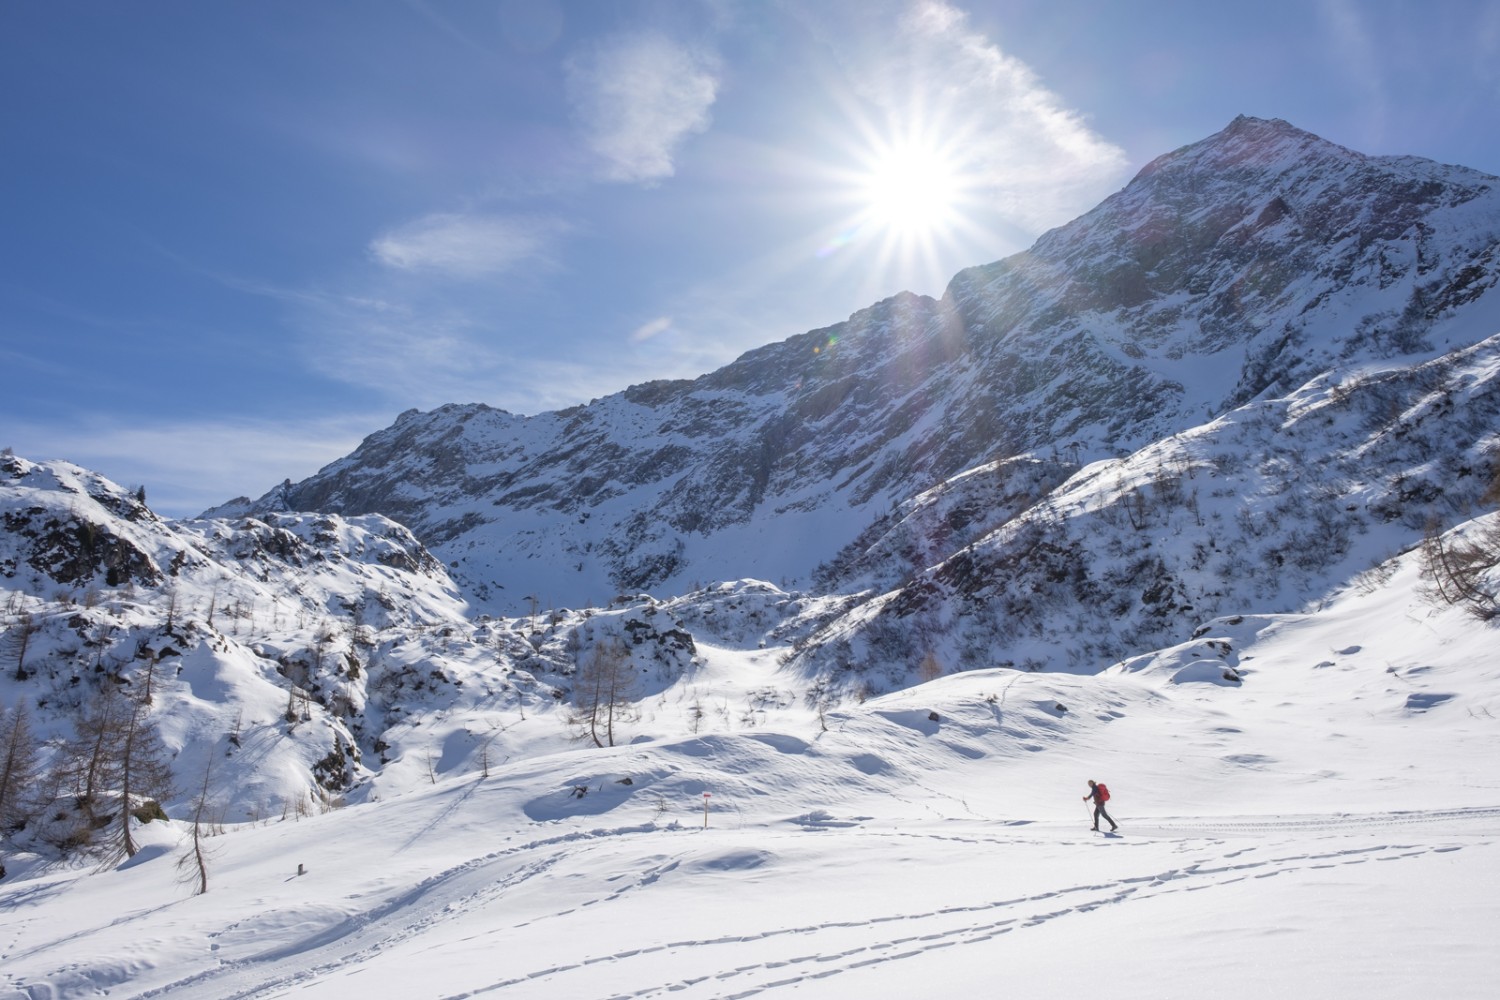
(912,193)
(911,190)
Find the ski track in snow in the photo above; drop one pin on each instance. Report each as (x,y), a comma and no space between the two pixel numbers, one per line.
(1212,863)
(821,965)
(428,903)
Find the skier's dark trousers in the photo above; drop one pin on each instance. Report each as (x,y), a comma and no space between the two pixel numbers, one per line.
(1098,797)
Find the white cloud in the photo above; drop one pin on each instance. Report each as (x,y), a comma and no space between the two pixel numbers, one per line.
(1029,156)
(654,328)
(421,351)
(637,97)
(431,350)
(424,347)
(189,467)
(463,246)
(1033,151)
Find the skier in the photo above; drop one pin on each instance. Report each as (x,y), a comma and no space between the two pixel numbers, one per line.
(1100,794)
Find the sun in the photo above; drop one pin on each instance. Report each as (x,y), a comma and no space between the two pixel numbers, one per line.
(911,190)
(910,198)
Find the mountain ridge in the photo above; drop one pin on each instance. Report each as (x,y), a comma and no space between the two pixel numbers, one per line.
(998,478)
(1233,267)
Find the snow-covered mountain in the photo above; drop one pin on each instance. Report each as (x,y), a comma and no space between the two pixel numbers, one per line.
(1275,504)
(1194,495)
(248,638)
(1324,824)
(1199,491)
(322,658)
(1249,379)
(1236,268)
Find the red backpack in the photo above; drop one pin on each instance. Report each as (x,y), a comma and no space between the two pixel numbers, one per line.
(1103,792)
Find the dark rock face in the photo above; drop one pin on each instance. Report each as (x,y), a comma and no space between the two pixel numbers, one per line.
(77,552)
(75,547)
(1234,267)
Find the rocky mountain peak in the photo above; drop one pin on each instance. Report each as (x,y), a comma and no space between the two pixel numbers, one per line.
(1247,143)
(1240,265)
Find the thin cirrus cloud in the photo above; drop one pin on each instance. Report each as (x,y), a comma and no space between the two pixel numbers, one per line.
(464,246)
(636,97)
(415,344)
(654,328)
(426,353)
(1034,160)
(1038,158)
(192,465)
(420,351)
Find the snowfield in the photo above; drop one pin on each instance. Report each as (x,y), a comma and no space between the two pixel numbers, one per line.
(1197,497)
(1323,827)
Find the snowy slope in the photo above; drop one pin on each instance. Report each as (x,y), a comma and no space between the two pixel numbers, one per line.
(1265,509)
(279,645)
(1245,264)
(1319,828)
(1158,502)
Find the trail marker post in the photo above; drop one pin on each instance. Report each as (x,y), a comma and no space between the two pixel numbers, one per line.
(705,810)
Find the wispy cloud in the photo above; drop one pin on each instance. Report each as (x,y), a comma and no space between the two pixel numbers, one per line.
(897,68)
(191,466)
(637,97)
(464,246)
(1023,154)
(655,328)
(50,366)
(1037,160)
(426,351)
(413,349)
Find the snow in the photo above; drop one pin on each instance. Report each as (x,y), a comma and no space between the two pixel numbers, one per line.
(1227,623)
(1323,827)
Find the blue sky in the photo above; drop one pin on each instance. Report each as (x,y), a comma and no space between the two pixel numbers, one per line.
(237,237)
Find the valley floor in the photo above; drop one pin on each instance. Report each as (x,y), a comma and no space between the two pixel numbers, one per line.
(1390,904)
(1324,827)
